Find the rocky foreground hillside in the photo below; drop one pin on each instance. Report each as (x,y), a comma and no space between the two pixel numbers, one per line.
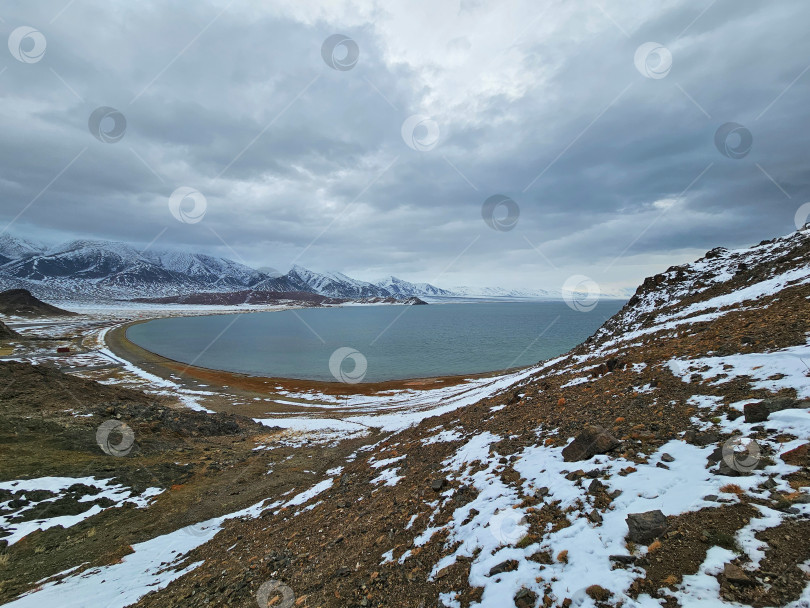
(666,461)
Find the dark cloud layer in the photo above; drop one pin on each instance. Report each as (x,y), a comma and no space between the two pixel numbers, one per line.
(617,175)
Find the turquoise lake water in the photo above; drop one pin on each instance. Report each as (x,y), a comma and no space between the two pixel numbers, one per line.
(393,342)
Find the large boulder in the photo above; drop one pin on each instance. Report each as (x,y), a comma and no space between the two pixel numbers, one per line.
(759,412)
(756,412)
(644,528)
(785,403)
(734,574)
(591,441)
(799,456)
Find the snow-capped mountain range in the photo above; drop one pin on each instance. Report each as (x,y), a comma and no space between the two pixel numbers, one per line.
(106,270)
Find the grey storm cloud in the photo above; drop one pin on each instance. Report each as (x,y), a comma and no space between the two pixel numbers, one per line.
(616,173)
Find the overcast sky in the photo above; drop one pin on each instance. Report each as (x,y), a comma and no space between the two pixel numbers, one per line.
(598,119)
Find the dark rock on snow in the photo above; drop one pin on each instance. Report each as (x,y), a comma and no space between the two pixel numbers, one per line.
(591,441)
(646,527)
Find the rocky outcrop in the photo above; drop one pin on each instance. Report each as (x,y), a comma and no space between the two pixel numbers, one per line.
(6,333)
(20,303)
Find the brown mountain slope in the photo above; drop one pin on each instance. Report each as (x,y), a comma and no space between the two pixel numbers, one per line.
(369,544)
(610,476)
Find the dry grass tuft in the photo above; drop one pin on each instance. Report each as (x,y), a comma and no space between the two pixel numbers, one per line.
(600,594)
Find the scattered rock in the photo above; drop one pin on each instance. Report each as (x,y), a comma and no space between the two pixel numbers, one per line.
(591,441)
(724,469)
(623,559)
(525,598)
(595,517)
(700,439)
(661,465)
(734,574)
(507,566)
(438,484)
(802,499)
(596,486)
(667,457)
(785,403)
(755,412)
(707,438)
(799,456)
(646,527)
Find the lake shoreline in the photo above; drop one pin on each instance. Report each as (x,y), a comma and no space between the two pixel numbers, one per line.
(166,368)
(423,348)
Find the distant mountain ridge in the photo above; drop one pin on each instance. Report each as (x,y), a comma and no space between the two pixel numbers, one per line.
(95,270)
(107,270)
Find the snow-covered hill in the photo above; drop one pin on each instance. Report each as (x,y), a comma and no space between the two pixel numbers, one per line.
(86,269)
(335,284)
(13,248)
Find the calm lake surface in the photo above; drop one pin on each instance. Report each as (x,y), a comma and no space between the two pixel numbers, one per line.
(397,342)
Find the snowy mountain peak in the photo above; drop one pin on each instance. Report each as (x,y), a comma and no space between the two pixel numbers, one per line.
(399,287)
(13,248)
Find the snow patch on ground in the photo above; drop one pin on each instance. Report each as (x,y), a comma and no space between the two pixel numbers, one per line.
(153,565)
(58,486)
(443,437)
(772,371)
